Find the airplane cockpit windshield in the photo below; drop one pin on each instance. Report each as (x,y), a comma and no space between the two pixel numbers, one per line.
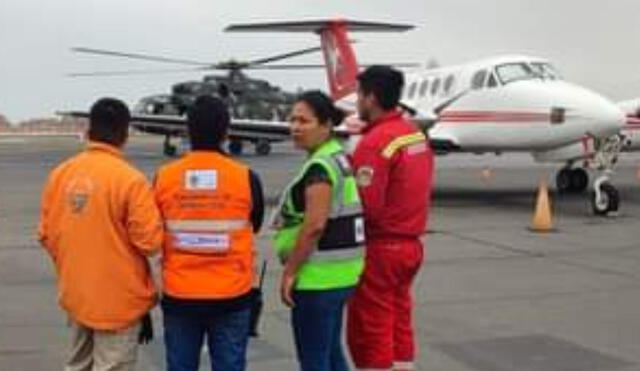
(510,72)
(545,70)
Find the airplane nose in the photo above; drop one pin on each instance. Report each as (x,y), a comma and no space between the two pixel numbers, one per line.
(606,119)
(599,116)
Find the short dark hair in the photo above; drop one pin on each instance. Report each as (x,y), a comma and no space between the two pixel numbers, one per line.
(109,121)
(322,107)
(208,123)
(384,82)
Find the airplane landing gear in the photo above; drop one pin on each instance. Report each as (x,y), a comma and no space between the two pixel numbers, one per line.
(570,180)
(263,147)
(235,147)
(605,199)
(169,149)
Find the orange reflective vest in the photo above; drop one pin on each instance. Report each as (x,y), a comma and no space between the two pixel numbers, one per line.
(205,201)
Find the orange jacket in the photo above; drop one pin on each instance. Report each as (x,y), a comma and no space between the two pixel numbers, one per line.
(205,201)
(98,221)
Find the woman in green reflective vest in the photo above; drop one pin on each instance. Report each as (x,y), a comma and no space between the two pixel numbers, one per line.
(319,235)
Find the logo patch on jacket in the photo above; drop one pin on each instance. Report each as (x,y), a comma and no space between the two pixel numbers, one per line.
(201,180)
(364,176)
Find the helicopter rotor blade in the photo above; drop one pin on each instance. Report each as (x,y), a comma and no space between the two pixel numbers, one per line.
(138,56)
(286,67)
(132,72)
(284,56)
(314,66)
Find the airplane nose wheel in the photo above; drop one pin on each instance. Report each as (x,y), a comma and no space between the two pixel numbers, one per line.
(605,199)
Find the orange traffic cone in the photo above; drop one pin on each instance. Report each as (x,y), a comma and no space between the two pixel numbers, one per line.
(638,174)
(542,219)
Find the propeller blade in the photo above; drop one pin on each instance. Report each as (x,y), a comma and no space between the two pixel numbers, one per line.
(284,56)
(132,72)
(138,56)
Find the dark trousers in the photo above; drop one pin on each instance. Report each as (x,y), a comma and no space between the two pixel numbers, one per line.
(227,336)
(316,319)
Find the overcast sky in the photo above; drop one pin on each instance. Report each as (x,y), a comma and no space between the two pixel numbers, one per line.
(593,43)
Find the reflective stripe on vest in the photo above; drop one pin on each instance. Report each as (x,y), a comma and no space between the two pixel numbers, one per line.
(402,142)
(204,236)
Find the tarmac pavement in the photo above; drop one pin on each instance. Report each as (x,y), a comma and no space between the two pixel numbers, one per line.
(492,296)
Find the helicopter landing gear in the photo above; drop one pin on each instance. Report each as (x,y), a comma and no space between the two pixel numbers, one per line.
(169,149)
(235,147)
(570,180)
(263,147)
(605,199)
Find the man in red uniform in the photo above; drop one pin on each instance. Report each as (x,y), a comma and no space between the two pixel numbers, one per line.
(394,167)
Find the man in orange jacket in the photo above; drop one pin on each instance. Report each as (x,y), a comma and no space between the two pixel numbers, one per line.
(98,223)
(211,205)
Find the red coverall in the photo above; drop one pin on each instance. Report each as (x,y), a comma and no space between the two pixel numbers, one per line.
(394,169)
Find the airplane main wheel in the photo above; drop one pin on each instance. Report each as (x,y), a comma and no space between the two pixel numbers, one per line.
(608,202)
(563,180)
(572,180)
(235,147)
(263,147)
(579,180)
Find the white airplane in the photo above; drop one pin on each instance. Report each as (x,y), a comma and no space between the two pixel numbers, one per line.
(503,104)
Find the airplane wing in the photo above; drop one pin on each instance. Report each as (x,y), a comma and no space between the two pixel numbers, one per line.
(175,126)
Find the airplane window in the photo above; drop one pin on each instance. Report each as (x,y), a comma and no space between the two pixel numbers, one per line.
(448,84)
(492,82)
(510,72)
(477,81)
(412,90)
(423,88)
(435,86)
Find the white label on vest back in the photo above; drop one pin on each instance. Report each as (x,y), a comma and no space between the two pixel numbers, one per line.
(359,229)
(201,180)
(203,242)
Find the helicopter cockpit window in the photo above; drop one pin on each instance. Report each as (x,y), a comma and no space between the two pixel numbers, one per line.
(511,72)
(477,81)
(545,70)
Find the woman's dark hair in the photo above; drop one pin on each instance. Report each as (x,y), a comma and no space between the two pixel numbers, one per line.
(322,106)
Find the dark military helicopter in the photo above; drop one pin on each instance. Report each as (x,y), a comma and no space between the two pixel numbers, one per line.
(249,99)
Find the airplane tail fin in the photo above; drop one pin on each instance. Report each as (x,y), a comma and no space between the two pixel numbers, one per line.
(340,60)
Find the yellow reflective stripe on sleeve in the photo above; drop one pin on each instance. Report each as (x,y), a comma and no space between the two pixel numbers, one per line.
(401,142)
(206,225)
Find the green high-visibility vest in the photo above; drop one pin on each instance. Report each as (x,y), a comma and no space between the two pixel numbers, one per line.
(337,260)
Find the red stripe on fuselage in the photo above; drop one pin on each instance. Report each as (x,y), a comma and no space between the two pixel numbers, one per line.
(494,116)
